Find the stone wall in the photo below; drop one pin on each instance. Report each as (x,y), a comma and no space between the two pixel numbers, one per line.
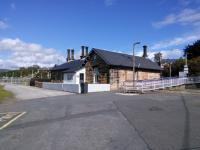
(118,76)
(147,75)
(96,61)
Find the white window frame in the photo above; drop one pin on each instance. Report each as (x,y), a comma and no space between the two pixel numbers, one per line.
(95,75)
(70,77)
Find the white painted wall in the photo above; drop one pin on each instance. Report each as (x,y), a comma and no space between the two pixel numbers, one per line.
(98,87)
(76,77)
(52,86)
(74,88)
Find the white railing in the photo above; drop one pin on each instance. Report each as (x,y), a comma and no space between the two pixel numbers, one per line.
(15,80)
(150,85)
(192,80)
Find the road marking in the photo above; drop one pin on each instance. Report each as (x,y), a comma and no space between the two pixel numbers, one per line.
(9,115)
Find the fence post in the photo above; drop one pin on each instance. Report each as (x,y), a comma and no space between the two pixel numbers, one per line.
(62,87)
(142,86)
(163,84)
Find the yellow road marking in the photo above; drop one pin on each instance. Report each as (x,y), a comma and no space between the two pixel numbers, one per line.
(10,113)
(11,121)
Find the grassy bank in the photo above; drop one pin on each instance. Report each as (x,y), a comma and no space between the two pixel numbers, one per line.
(4,94)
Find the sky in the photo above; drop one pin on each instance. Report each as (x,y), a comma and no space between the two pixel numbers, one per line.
(40,31)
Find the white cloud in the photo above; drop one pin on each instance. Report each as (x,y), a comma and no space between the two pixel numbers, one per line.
(26,54)
(188,2)
(185,17)
(109,2)
(3,25)
(166,54)
(13,6)
(177,41)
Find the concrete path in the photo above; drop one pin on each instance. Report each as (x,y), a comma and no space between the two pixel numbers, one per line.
(27,92)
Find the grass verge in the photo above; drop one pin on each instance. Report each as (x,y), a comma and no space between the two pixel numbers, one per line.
(4,94)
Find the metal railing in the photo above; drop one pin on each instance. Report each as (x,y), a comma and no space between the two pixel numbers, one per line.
(151,85)
(16,80)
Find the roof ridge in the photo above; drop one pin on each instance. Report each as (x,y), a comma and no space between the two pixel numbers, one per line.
(117,53)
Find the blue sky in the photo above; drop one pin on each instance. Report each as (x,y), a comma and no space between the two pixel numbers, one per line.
(40,31)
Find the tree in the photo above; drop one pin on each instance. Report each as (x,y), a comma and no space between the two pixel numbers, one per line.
(158,58)
(176,67)
(194,66)
(193,51)
(193,55)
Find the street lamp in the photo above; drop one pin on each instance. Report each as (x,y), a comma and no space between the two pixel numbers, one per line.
(186,70)
(134,44)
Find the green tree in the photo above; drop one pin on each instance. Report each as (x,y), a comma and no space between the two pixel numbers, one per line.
(193,55)
(176,67)
(193,51)
(158,58)
(194,66)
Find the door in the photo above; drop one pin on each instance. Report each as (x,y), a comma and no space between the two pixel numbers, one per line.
(82,83)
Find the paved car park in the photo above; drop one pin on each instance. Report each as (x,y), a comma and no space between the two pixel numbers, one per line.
(108,121)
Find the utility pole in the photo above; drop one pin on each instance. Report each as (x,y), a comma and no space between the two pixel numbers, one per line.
(134,44)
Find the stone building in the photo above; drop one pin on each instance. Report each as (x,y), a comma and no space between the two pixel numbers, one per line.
(106,67)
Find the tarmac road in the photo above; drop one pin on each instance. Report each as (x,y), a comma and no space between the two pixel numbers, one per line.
(105,121)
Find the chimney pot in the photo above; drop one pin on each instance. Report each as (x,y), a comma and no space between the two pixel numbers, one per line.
(86,51)
(72,54)
(145,51)
(68,55)
(82,51)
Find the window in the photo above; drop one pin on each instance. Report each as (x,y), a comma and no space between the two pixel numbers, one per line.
(95,57)
(69,76)
(81,77)
(96,75)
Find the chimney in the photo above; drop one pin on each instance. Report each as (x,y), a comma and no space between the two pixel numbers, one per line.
(145,51)
(68,55)
(72,54)
(82,51)
(86,51)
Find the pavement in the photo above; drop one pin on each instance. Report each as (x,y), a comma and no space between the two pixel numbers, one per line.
(27,92)
(105,121)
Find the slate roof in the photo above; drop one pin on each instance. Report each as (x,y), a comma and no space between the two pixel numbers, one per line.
(125,60)
(70,67)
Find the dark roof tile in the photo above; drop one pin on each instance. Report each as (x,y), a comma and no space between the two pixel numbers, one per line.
(125,60)
(71,66)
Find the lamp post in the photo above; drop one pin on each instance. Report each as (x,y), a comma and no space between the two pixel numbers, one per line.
(186,70)
(170,69)
(134,44)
